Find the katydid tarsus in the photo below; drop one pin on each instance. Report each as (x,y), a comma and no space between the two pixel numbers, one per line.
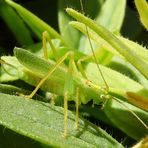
(73,83)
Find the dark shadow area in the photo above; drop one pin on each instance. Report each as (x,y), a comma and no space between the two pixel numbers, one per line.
(132,28)
(95,115)
(10,139)
(39,8)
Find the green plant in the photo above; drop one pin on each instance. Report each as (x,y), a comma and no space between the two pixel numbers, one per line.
(32,116)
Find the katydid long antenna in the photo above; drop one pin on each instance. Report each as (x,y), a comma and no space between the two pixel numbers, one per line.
(92,50)
(133,113)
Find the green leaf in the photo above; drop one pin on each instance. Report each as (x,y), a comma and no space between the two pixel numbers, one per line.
(106,16)
(124,50)
(71,35)
(100,41)
(125,120)
(10,89)
(104,52)
(142,7)
(134,25)
(5,76)
(119,59)
(127,69)
(141,51)
(110,11)
(13,90)
(96,113)
(44,123)
(8,72)
(36,24)
(8,139)
(15,24)
(122,67)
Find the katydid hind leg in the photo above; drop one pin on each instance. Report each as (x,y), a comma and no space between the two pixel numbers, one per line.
(45,39)
(58,63)
(65,113)
(77,108)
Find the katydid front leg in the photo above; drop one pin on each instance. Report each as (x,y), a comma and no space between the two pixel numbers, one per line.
(69,91)
(46,38)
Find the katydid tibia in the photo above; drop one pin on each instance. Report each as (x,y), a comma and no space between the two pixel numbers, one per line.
(70,81)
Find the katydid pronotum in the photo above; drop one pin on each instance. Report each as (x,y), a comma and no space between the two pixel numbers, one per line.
(73,82)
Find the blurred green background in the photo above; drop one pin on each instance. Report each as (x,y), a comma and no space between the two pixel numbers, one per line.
(47,10)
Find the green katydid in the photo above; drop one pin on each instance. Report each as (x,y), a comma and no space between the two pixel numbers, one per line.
(39,68)
(73,84)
